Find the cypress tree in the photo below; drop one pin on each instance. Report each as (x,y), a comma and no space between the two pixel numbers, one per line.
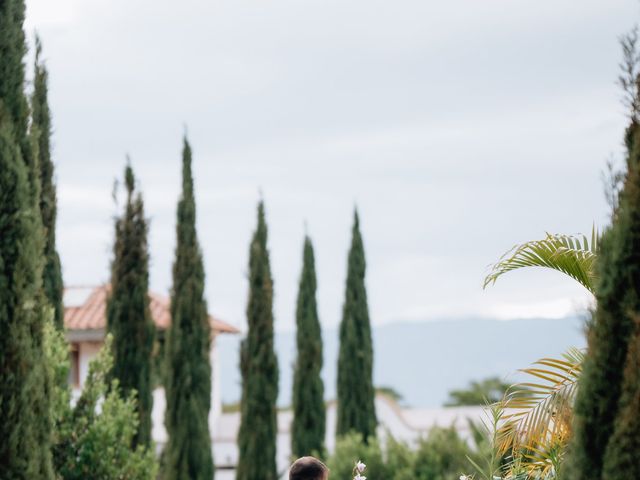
(13,48)
(25,417)
(356,401)
(618,302)
(308,429)
(41,129)
(259,366)
(188,380)
(19,280)
(128,315)
(621,455)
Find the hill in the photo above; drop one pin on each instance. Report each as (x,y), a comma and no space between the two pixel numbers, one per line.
(425,360)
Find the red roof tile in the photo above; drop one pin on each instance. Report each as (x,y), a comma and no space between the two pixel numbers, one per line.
(85,309)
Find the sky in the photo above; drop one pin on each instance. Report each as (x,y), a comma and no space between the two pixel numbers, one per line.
(458,128)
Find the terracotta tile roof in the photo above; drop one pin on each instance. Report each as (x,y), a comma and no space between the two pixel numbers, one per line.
(85,309)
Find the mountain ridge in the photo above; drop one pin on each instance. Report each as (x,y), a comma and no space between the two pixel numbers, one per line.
(424,360)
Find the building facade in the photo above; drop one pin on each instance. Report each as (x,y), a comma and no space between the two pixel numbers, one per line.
(85,321)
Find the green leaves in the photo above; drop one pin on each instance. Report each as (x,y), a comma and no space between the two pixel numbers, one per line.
(128,314)
(356,409)
(259,366)
(538,414)
(574,256)
(93,439)
(309,422)
(188,374)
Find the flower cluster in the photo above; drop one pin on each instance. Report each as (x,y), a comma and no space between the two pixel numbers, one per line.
(358,470)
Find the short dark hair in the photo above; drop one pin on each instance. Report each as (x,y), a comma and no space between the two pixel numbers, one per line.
(308,468)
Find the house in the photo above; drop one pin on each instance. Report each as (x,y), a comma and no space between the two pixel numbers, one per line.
(85,323)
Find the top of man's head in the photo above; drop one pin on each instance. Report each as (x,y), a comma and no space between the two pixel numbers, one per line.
(308,468)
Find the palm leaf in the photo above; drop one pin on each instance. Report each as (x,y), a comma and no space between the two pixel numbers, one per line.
(573,255)
(538,413)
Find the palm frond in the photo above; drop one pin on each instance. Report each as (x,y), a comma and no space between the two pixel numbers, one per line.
(573,255)
(538,413)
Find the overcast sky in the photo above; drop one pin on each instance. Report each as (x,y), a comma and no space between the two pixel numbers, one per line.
(458,128)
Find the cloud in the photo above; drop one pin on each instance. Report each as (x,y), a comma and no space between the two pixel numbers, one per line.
(458,128)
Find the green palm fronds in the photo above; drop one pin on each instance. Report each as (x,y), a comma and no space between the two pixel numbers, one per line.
(573,255)
(538,413)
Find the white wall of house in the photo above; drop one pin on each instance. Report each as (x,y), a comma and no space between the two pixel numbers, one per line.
(88,346)
(87,351)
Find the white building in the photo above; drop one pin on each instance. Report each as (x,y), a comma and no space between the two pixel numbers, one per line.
(85,323)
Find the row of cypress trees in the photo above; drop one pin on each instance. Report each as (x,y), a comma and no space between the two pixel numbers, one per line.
(187,375)
(30,278)
(259,366)
(31,285)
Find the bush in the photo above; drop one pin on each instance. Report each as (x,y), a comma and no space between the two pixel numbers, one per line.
(93,438)
(349,449)
(400,460)
(442,455)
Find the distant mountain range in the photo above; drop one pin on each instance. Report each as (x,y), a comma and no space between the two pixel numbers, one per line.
(423,361)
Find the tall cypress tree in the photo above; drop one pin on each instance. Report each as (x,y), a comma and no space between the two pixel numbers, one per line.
(356,402)
(259,366)
(621,456)
(25,425)
(308,429)
(128,315)
(41,130)
(13,48)
(188,377)
(618,302)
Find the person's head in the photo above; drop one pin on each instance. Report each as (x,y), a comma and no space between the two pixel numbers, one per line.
(308,468)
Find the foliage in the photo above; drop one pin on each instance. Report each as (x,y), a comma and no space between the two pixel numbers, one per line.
(618,301)
(489,390)
(621,455)
(41,131)
(487,460)
(188,376)
(439,456)
(356,407)
(259,367)
(442,455)
(352,447)
(25,428)
(390,392)
(308,429)
(538,414)
(12,79)
(572,255)
(400,460)
(92,439)
(128,316)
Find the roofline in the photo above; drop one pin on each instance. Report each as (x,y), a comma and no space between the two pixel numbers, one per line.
(85,335)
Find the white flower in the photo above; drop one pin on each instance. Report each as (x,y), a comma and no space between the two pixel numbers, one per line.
(359,477)
(466,477)
(360,467)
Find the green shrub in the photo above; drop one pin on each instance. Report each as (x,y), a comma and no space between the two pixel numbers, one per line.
(92,439)
(350,448)
(400,460)
(441,456)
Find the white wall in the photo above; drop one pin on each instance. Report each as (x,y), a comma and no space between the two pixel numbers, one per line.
(87,351)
